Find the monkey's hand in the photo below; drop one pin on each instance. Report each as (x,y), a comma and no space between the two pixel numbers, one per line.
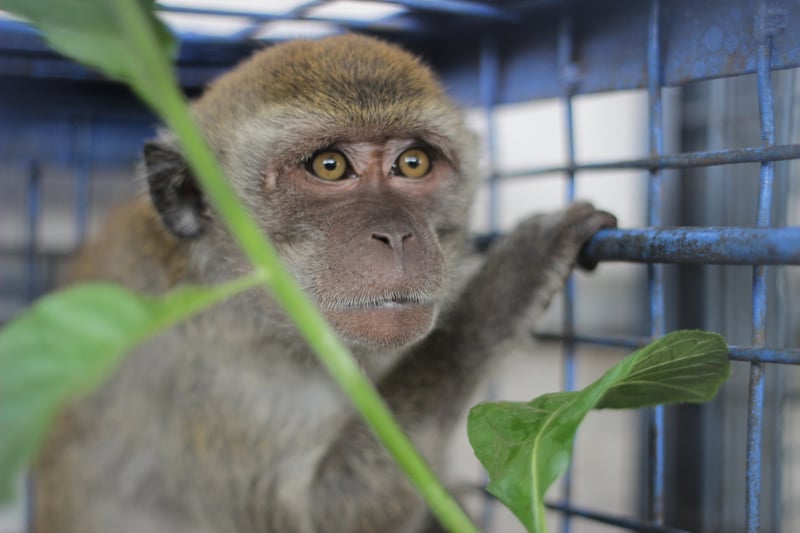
(524,270)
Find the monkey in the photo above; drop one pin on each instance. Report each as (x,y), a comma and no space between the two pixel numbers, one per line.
(354,161)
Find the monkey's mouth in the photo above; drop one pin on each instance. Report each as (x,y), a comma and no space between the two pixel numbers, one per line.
(398,302)
(394,301)
(391,321)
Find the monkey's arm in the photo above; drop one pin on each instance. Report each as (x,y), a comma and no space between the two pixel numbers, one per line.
(520,276)
(428,389)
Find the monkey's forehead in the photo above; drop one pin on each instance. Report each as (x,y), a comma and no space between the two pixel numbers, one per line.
(349,76)
(304,95)
(353,67)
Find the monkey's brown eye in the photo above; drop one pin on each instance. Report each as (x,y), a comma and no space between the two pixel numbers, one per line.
(413,163)
(329,165)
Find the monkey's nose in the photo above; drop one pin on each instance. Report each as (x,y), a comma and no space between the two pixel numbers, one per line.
(394,240)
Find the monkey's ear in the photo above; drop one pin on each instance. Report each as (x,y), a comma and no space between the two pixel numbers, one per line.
(174,191)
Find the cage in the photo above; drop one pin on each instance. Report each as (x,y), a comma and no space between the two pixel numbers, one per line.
(678,116)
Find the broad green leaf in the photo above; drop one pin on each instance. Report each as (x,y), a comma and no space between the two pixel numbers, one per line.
(527,446)
(98,33)
(67,343)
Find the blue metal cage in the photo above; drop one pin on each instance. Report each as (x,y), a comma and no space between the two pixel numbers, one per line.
(487,54)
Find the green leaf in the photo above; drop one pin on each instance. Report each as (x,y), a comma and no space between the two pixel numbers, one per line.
(526,446)
(67,343)
(97,33)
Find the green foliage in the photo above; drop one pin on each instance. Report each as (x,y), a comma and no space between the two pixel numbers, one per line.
(527,446)
(68,343)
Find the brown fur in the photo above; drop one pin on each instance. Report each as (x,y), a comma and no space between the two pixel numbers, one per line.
(134,235)
(227,423)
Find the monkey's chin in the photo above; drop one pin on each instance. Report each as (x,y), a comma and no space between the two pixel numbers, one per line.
(389,325)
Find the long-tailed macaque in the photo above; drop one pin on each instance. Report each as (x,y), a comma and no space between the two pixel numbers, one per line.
(359,168)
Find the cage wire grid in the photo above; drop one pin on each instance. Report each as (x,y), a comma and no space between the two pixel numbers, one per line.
(759,246)
(488,86)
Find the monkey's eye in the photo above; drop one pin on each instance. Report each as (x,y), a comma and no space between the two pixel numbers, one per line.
(413,163)
(329,165)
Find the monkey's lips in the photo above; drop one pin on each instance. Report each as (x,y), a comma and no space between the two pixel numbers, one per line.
(391,322)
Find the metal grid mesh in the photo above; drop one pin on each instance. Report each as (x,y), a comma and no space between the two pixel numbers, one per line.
(735,246)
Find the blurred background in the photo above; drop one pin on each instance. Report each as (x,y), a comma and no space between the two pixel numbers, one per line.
(70,141)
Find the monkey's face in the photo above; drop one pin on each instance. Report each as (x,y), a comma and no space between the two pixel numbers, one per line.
(354,162)
(360,225)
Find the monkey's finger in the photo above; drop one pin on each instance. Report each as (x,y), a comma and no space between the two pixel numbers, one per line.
(598,221)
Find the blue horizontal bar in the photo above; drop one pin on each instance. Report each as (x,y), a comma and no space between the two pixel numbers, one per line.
(14,26)
(612,342)
(786,356)
(460,7)
(390,23)
(707,245)
(633,525)
(754,154)
(403,22)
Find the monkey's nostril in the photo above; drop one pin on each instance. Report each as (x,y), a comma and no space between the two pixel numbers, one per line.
(385,239)
(393,241)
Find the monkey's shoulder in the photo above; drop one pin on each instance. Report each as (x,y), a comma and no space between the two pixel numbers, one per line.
(133,248)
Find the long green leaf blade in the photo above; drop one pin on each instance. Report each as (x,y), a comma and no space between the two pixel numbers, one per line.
(67,343)
(526,446)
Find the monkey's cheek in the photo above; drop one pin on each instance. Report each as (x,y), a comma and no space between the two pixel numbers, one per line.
(388,327)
